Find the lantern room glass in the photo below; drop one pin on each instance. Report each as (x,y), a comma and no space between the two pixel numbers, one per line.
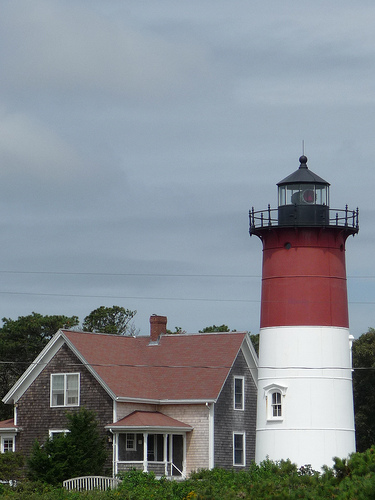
(304,194)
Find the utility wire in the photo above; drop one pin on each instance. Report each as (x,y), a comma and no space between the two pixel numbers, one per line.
(156,275)
(124,297)
(131,365)
(131,297)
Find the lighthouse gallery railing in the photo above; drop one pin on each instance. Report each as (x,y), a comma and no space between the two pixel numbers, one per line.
(344,218)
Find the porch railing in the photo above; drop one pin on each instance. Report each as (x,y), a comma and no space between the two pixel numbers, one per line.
(172,467)
(158,468)
(126,466)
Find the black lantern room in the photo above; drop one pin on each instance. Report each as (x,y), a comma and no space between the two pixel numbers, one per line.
(303,198)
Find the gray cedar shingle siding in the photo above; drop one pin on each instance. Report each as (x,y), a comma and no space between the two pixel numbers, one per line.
(227,420)
(35,416)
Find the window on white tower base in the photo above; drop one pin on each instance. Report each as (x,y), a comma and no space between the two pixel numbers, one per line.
(276,404)
(275,401)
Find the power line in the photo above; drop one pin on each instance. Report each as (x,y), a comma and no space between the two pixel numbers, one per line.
(124,297)
(131,297)
(132,365)
(155,275)
(149,275)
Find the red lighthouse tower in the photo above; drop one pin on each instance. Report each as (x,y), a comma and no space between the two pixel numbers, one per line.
(305,402)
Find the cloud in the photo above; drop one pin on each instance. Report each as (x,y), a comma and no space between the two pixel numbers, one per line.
(313,91)
(29,148)
(53,45)
(41,166)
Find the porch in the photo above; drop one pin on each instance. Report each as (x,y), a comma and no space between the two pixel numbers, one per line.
(151,442)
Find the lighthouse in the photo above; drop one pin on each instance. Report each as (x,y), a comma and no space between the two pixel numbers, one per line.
(305,396)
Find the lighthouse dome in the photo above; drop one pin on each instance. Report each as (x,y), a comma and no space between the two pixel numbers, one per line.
(303,198)
(303,174)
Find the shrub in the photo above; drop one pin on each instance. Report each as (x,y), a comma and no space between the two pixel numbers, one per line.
(11,465)
(80,452)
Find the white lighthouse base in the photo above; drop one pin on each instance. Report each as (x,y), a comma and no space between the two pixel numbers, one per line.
(305,397)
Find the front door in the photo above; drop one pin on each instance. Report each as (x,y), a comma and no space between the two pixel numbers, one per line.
(177,454)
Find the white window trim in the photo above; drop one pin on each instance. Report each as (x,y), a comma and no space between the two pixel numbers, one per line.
(243,434)
(51,432)
(268,391)
(65,377)
(134,448)
(239,377)
(6,437)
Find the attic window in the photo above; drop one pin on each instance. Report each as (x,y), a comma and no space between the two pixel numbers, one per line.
(65,389)
(239,393)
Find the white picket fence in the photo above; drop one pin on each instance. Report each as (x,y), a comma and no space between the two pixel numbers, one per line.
(86,483)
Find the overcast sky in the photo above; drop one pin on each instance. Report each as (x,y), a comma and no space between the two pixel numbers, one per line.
(135,135)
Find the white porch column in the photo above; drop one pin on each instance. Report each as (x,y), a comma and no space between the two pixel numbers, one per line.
(165,453)
(114,454)
(184,454)
(171,451)
(211,436)
(145,451)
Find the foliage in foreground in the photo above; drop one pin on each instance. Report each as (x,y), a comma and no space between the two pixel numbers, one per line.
(349,479)
(80,452)
(11,466)
(363,383)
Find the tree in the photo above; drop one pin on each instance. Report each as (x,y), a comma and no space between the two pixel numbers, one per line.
(255,341)
(214,328)
(21,341)
(80,452)
(115,320)
(177,330)
(11,466)
(224,328)
(363,389)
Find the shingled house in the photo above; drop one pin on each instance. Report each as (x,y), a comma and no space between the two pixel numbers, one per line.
(165,403)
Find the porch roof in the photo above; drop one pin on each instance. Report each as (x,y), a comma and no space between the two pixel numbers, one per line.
(149,420)
(8,425)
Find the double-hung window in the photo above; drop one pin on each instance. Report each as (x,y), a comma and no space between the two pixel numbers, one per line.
(7,444)
(65,389)
(276,404)
(275,401)
(53,433)
(239,394)
(130,442)
(239,448)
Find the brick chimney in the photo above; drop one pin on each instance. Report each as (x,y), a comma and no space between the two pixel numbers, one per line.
(158,325)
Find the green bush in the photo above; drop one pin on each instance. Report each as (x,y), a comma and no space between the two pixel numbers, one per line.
(81,452)
(11,466)
(347,479)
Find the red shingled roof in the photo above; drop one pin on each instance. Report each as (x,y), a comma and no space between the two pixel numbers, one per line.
(180,367)
(7,424)
(149,419)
